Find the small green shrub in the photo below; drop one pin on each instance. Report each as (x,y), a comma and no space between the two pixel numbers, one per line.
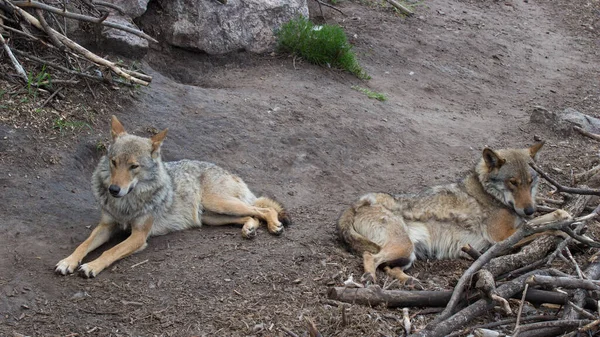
(322,45)
(371,94)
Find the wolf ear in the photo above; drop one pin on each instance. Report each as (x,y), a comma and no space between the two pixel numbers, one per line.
(116,128)
(157,140)
(533,150)
(492,160)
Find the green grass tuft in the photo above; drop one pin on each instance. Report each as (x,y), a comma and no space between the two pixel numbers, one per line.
(371,94)
(322,45)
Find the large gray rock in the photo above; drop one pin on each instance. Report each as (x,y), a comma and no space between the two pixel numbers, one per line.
(209,26)
(121,42)
(565,120)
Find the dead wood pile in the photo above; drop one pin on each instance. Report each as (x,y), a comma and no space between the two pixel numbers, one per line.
(530,275)
(35,35)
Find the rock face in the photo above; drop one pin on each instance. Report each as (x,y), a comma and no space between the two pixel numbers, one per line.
(132,8)
(120,42)
(216,28)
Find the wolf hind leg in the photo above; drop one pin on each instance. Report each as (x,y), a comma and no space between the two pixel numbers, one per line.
(395,257)
(236,207)
(248,230)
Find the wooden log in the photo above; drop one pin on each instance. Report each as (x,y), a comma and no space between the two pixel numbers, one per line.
(403,9)
(564,282)
(374,296)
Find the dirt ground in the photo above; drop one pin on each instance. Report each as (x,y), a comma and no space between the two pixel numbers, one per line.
(458,75)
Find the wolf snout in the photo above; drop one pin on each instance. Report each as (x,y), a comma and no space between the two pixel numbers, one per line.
(114,190)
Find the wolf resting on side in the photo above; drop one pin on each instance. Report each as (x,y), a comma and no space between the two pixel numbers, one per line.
(484,208)
(137,191)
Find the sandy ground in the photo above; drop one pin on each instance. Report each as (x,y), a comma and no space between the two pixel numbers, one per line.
(458,75)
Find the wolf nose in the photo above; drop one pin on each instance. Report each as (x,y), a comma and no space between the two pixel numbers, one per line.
(529,210)
(114,190)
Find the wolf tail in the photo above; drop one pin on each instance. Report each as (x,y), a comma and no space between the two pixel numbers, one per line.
(282,215)
(356,241)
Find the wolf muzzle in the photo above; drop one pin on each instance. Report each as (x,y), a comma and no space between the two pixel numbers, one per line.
(117,192)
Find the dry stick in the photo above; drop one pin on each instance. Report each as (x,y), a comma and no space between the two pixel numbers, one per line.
(584,176)
(18,67)
(401,7)
(577,269)
(330,6)
(312,329)
(520,309)
(67,70)
(85,18)
(46,28)
(502,322)
(109,5)
(564,282)
(76,47)
(406,321)
(581,311)
(559,323)
(550,201)
(50,98)
(586,133)
(562,188)
(289,332)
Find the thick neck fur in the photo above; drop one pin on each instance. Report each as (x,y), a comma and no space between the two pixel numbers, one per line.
(478,186)
(152,194)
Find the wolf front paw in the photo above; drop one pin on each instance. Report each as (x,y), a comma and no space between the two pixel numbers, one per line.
(66,266)
(87,271)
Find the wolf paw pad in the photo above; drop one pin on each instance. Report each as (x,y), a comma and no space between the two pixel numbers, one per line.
(277,230)
(248,233)
(86,271)
(64,267)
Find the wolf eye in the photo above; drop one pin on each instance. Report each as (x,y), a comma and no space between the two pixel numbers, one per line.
(134,166)
(512,183)
(113,162)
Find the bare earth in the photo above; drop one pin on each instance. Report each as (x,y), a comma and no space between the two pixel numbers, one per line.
(459,75)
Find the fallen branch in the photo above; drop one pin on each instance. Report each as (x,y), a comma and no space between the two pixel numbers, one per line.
(587,134)
(562,188)
(585,176)
(564,282)
(403,9)
(18,67)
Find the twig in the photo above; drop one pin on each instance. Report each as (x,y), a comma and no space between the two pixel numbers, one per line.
(312,329)
(330,6)
(289,332)
(515,331)
(587,134)
(562,188)
(109,5)
(139,263)
(582,311)
(406,321)
(51,97)
(85,18)
(18,67)
(48,31)
(558,323)
(584,176)
(577,269)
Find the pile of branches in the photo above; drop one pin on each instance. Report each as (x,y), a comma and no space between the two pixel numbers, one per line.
(35,33)
(528,275)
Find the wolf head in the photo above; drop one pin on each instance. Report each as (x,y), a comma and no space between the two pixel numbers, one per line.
(131,159)
(507,176)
